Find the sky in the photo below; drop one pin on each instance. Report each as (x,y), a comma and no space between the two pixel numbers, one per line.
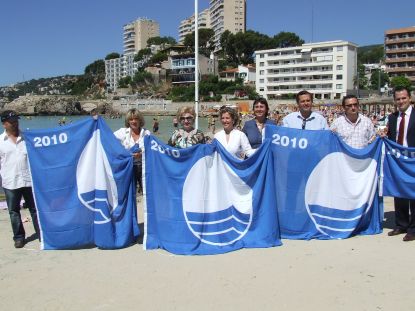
(47,38)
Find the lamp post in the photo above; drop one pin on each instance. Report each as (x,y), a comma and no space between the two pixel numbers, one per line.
(197,64)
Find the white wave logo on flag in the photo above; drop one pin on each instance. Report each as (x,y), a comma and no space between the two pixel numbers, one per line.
(217,204)
(337,195)
(97,189)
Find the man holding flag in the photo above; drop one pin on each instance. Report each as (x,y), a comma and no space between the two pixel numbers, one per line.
(15,175)
(401,129)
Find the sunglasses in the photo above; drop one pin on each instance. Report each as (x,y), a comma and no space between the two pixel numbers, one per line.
(186,118)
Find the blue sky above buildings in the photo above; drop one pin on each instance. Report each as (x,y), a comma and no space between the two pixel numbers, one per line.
(45,38)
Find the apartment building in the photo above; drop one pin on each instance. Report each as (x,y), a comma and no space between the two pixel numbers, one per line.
(220,16)
(227,15)
(326,69)
(188,25)
(400,52)
(136,34)
(118,68)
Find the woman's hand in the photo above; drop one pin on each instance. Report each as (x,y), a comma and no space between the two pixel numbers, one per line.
(137,155)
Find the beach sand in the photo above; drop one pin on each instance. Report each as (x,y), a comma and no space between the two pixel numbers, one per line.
(360,273)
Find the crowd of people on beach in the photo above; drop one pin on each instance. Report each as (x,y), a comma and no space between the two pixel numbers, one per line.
(240,135)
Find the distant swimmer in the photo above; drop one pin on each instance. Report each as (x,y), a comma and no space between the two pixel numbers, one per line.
(155,126)
(175,123)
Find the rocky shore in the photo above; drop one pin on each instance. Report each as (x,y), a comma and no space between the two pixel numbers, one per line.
(73,105)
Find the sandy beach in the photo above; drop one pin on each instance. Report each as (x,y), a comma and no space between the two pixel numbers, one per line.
(361,273)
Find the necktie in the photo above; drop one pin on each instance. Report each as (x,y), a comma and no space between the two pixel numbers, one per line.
(305,120)
(401,129)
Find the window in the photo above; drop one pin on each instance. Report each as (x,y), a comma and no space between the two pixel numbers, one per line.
(339,77)
(339,86)
(261,89)
(261,72)
(339,48)
(261,80)
(261,64)
(339,67)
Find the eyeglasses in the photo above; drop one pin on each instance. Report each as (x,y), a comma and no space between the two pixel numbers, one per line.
(351,105)
(186,118)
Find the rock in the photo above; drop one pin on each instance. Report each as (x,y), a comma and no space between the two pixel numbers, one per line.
(45,105)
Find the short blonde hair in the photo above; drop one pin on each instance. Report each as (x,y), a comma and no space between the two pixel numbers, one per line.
(134,114)
(232,112)
(186,109)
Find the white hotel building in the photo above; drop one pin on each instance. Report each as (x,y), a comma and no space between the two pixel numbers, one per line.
(326,69)
(135,36)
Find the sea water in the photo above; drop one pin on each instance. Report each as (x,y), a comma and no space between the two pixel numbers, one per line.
(165,123)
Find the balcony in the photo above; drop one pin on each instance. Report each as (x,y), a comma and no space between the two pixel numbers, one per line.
(399,40)
(400,69)
(400,60)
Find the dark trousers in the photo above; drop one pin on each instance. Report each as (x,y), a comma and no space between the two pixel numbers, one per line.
(138,174)
(405,214)
(13,198)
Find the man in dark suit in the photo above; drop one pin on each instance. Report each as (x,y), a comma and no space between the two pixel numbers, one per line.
(401,129)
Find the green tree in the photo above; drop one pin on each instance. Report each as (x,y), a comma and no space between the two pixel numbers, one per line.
(112,55)
(81,84)
(94,73)
(371,54)
(141,77)
(286,39)
(239,48)
(205,41)
(363,80)
(401,81)
(141,54)
(378,79)
(158,58)
(96,68)
(124,82)
(161,40)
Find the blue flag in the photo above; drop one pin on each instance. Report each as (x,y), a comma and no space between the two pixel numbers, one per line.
(325,189)
(201,200)
(399,171)
(83,186)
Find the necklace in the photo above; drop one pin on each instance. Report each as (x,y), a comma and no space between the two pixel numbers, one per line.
(260,125)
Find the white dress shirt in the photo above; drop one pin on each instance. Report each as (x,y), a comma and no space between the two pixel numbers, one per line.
(14,166)
(237,143)
(407,116)
(314,122)
(124,136)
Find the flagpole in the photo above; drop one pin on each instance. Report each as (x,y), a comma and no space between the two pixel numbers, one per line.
(197,64)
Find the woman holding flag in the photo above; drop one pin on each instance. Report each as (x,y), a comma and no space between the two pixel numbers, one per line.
(132,138)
